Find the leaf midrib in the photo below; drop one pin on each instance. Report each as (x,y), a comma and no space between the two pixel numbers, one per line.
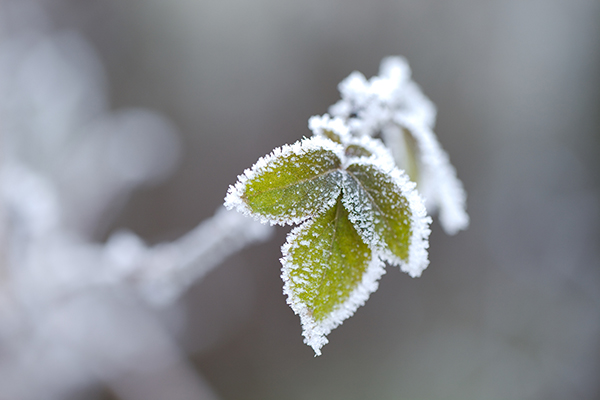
(330,171)
(321,281)
(385,219)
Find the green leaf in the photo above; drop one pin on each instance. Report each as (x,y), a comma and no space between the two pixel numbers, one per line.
(380,210)
(329,271)
(357,210)
(292,184)
(411,156)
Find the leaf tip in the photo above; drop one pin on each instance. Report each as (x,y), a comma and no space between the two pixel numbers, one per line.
(234,199)
(300,289)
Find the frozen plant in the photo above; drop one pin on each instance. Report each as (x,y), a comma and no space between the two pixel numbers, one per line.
(393,107)
(358,201)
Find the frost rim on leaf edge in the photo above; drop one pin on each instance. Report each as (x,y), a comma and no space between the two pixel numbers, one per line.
(315,332)
(234,197)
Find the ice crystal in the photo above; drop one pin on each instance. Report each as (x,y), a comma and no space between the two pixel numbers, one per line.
(355,197)
(393,106)
(357,210)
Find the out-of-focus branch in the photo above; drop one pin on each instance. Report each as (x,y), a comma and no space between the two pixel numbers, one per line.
(167,270)
(73,311)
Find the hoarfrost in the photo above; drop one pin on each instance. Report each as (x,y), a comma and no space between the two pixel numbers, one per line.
(361,214)
(383,160)
(315,332)
(385,103)
(235,194)
(390,105)
(318,124)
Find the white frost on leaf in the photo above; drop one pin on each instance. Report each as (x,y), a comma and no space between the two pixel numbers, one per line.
(382,159)
(418,259)
(368,151)
(438,182)
(380,154)
(315,332)
(383,187)
(235,194)
(419,239)
(320,123)
(392,100)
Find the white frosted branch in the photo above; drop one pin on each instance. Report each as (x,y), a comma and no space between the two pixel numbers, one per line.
(163,272)
(70,309)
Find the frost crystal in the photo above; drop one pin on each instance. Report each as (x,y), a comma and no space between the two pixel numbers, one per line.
(357,210)
(393,106)
(290,184)
(355,197)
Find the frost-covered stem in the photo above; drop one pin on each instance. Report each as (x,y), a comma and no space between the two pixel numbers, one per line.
(172,267)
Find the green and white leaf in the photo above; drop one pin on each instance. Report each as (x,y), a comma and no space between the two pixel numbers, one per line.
(393,105)
(403,147)
(437,178)
(357,210)
(328,272)
(387,211)
(355,147)
(291,184)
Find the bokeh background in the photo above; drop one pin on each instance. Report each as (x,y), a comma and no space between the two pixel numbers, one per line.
(509,309)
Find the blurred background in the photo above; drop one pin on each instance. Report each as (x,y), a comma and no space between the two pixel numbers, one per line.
(509,309)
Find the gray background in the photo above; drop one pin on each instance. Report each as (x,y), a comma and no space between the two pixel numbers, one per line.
(508,309)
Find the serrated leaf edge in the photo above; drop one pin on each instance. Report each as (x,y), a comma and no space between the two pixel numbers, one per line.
(315,332)
(419,239)
(234,198)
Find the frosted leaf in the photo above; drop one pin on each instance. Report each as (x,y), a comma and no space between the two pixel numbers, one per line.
(404,150)
(373,149)
(405,95)
(291,184)
(388,212)
(393,106)
(328,272)
(437,178)
(332,262)
(354,146)
(355,196)
(368,105)
(355,87)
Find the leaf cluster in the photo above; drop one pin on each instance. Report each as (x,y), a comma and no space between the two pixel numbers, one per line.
(356,210)
(355,206)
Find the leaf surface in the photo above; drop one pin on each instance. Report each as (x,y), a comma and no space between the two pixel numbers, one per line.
(292,184)
(329,271)
(380,210)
